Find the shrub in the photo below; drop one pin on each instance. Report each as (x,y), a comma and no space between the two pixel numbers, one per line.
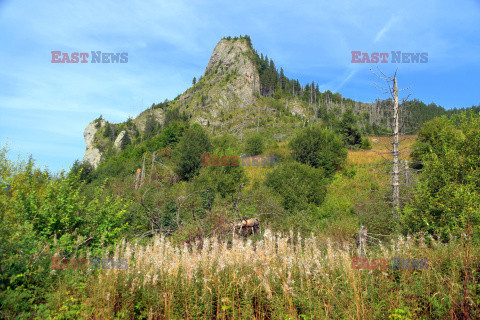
(298,185)
(254,144)
(319,148)
(447,199)
(366,144)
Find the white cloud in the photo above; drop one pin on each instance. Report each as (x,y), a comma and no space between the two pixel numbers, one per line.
(386,28)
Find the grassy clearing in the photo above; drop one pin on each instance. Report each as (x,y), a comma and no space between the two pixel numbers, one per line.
(379,145)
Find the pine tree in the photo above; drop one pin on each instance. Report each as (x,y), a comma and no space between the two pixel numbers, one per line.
(282,79)
(150,126)
(125,141)
(351,133)
(108,131)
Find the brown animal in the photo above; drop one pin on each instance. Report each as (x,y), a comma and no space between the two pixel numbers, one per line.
(247,226)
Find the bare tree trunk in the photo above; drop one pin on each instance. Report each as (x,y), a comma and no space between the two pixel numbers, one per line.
(153,162)
(407,173)
(142,179)
(396,170)
(362,241)
(137,178)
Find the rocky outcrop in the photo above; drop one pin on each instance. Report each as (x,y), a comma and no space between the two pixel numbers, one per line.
(118,141)
(141,120)
(92,154)
(235,56)
(230,82)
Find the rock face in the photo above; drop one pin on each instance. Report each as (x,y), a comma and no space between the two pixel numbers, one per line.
(92,154)
(118,141)
(140,121)
(230,82)
(234,56)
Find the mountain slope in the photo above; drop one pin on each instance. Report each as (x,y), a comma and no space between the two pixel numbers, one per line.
(240,92)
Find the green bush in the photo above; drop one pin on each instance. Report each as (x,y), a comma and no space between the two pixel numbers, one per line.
(319,148)
(298,185)
(254,145)
(366,144)
(447,199)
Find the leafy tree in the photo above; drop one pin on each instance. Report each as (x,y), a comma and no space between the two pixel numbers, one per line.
(254,144)
(298,185)
(435,137)
(194,81)
(43,215)
(192,145)
(224,180)
(319,148)
(447,199)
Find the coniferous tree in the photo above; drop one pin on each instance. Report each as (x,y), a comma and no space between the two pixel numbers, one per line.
(108,131)
(125,141)
(150,126)
(192,145)
(351,133)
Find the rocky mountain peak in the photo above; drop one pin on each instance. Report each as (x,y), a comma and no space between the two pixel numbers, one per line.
(234,57)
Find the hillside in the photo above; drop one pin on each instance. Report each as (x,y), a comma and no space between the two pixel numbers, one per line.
(242,92)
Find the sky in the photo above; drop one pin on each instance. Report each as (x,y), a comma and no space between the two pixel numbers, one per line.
(45,106)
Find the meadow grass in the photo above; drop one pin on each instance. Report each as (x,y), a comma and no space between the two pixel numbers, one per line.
(280,276)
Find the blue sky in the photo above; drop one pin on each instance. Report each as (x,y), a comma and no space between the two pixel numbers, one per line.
(44,107)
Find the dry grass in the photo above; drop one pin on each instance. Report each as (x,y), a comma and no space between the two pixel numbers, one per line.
(278,277)
(380,145)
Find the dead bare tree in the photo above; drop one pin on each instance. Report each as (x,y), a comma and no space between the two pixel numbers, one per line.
(393,91)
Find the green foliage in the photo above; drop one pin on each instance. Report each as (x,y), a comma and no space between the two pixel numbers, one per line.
(125,141)
(83,170)
(127,161)
(319,148)
(350,132)
(224,180)
(226,144)
(41,215)
(172,115)
(298,185)
(192,145)
(150,126)
(98,122)
(254,144)
(435,137)
(447,199)
(366,144)
(108,131)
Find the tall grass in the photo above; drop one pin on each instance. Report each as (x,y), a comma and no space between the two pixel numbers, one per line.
(278,277)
